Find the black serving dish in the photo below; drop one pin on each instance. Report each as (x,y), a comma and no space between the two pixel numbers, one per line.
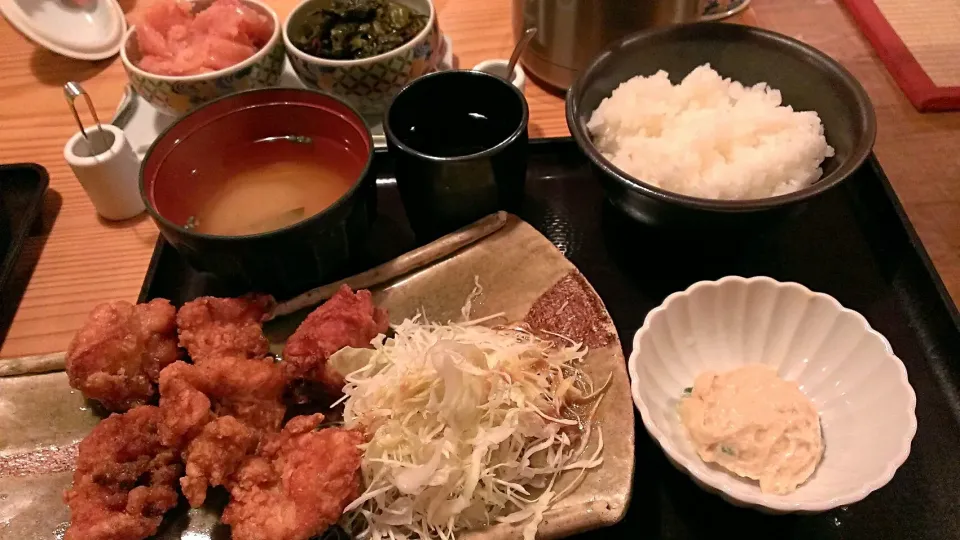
(808,80)
(853,242)
(22,187)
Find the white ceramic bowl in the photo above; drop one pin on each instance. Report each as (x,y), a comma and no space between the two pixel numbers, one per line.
(867,406)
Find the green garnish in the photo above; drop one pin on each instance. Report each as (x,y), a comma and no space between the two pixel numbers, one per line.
(727,450)
(687,391)
(354,29)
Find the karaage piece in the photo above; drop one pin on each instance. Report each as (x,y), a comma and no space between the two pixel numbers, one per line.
(213,327)
(214,455)
(298,483)
(192,395)
(185,408)
(216,412)
(125,479)
(347,319)
(117,355)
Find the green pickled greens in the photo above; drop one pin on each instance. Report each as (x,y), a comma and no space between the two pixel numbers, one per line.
(355,29)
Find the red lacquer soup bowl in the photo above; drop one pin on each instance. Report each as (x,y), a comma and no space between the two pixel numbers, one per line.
(182,168)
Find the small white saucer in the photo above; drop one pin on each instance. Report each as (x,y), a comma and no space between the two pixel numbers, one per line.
(143,123)
(81,29)
(498,67)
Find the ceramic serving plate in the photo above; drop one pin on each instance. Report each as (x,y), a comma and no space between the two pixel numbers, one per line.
(522,274)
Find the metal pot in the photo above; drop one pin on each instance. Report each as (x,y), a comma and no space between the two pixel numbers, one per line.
(572,32)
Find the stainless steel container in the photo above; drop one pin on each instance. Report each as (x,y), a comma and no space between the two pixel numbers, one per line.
(570,33)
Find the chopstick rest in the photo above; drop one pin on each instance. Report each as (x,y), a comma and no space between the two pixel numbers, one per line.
(108,169)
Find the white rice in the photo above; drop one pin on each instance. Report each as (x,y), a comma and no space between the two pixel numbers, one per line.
(709,137)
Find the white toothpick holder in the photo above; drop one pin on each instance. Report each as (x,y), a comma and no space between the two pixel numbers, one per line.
(108,169)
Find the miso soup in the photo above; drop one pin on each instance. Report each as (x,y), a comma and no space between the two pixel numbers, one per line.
(270,184)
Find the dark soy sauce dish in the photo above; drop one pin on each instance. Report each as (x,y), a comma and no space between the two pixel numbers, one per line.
(270,190)
(459,140)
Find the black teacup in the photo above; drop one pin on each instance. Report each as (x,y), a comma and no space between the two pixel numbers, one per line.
(459,141)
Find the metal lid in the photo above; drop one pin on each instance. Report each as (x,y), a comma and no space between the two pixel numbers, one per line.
(81,29)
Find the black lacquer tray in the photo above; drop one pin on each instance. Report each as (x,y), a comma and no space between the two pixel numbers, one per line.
(854,243)
(22,187)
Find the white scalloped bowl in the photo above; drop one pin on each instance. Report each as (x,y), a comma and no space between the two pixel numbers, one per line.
(867,406)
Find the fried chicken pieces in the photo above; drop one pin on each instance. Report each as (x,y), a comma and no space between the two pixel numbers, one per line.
(125,479)
(191,395)
(214,327)
(117,355)
(347,319)
(298,483)
(214,455)
(219,418)
(216,412)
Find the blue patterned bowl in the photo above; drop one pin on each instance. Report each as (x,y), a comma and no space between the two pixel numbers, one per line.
(714,10)
(370,83)
(178,95)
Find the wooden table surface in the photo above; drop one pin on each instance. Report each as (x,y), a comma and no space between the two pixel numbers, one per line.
(82,260)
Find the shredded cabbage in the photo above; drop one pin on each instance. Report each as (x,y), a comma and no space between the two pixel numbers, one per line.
(469,426)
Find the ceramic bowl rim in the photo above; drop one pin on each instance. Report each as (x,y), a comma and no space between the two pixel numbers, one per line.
(254,59)
(519,77)
(692,467)
(415,41)
(293,227)
(522,126)
(861,149)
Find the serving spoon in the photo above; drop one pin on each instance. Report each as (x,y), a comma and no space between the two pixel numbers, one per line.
(518,50)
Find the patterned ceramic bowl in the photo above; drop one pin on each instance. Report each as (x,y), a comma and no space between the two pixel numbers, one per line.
(178,95)
(370,83)
(848,370)
(714,10)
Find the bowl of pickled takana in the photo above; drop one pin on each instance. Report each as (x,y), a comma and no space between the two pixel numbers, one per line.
(363,51)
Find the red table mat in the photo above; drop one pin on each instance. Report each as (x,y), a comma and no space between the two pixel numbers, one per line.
(919,42)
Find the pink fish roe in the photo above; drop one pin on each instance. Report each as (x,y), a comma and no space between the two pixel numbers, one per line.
(174,41)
